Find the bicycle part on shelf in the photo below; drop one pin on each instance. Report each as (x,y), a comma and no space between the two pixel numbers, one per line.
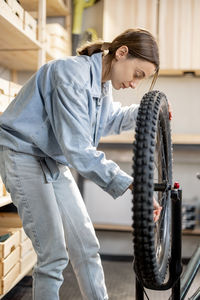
(152,172)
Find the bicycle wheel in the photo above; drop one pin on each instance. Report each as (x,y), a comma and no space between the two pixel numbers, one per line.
(152,172)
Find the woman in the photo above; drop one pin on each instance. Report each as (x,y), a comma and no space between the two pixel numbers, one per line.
(56,122)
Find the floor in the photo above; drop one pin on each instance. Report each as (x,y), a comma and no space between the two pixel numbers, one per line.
(120,281)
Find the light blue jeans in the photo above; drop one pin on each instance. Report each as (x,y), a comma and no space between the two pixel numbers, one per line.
(56,220)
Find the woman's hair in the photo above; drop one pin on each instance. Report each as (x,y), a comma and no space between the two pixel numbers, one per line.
(141,44)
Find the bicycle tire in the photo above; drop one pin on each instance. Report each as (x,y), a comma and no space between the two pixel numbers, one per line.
(152,242)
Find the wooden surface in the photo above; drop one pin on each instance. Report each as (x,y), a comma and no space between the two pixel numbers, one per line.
(120,15)
(11,243)
(174,23)
(128,137)
(13,37)
(7,263)
(179,40)
(195,231)
(5,200)
(10,220)
(113,227)
(20,276)
(42,32)
(25,247)
(195,34)
(17,50)
(6,281)
(179,72)
(54,7)
(124,228)
(30,256)
(187,139)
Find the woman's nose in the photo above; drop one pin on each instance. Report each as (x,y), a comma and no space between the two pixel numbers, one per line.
(134,83)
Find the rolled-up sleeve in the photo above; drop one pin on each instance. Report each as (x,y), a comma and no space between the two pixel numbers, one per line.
(71,125)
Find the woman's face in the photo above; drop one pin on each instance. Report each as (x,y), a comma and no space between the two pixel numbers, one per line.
(128,72)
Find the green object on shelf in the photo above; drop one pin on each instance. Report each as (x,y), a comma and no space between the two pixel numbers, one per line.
(4,237)
(79,6)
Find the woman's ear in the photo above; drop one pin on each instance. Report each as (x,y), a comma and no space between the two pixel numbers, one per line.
(121,52)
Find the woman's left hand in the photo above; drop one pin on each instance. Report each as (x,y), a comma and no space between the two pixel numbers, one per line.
(156,211)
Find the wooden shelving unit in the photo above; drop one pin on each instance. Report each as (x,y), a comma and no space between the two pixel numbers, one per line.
(54,7)
(4,200)
(178,72)
(21,275)
(177,139)
(187,139)
(19,51)
(13,37)
(113,227)
(19,61)
(126,228)
(195,231)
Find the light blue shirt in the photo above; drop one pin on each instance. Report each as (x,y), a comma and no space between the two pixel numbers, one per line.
(60,115)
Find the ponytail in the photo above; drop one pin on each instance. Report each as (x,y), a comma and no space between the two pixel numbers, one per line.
(93,47)
(141,44)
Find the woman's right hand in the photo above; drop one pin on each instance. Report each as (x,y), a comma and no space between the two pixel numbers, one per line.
(131,187)
(170,110)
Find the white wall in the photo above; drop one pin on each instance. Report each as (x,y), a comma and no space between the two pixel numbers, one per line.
(184,94)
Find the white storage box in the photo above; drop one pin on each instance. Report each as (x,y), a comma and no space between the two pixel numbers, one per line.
(4,86)
(30,25)
(14,89)
(4,102)
(57,42)
(13,15)
(7,281)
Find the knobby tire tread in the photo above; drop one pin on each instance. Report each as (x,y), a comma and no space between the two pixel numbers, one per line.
(153,109)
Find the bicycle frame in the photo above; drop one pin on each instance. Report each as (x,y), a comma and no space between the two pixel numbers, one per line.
(179,284)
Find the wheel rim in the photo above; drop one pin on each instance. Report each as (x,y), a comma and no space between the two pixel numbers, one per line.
(161,178)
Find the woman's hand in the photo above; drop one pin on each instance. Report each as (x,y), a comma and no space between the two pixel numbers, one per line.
(157,208)
(170,110)
(131,187)
(156,211)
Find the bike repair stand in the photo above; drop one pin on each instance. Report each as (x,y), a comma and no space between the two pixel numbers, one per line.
(175,266)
